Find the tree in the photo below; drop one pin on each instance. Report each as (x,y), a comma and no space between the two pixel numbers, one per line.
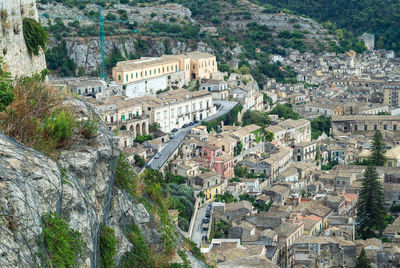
(370,207)
(378,149)
(269,136)
(139,160)
(362,260)
(155,126)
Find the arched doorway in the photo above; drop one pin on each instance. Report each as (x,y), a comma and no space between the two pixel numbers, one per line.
(144,128)
(138,132)
(131,128)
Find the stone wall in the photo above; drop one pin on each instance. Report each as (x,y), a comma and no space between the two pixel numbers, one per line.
(12,44)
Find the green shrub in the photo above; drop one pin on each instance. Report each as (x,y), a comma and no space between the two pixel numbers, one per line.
(88,127)
(139,160)
(59,126)
(108,247)
(125,176)
(6,88)
(35,36)
(141,139)
(62,246)
(139,255)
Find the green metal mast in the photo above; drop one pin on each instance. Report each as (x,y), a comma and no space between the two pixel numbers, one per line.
(103,73)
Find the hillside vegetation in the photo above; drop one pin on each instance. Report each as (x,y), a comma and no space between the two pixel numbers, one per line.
(380,17)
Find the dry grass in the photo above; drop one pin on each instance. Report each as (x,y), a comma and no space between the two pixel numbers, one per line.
(33,101)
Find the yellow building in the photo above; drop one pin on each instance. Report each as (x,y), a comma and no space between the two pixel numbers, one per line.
(146,68)
(392,156)
(195,65)
(210,183)
(202,65)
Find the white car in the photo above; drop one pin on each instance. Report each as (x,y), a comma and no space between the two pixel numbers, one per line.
(157,155)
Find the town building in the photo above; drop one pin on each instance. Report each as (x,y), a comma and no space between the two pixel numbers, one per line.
(176,108)
(147,76)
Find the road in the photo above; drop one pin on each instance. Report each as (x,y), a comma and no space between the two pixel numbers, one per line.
(173,144)
(197,232)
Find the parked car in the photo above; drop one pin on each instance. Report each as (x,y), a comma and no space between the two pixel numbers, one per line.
(171,136)
(191,123)
(204,238)
(174,130)
(185,126)
(205,227)
(206,220)
(196,121)
(157,155)
(147,165)
(208,214)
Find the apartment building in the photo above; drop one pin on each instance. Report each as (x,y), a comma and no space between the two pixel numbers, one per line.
(305,151)
(391,94)
(291,132)
(176,108)
(147,76)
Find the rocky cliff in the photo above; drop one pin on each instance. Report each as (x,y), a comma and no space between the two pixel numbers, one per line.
(79,186)
(85,52)
(12,44)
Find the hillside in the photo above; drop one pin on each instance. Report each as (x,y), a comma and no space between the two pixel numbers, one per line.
(246,34)
(380,17)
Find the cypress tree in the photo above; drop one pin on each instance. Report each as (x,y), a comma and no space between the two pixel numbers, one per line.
(362,260)
(370,207)
(378,149)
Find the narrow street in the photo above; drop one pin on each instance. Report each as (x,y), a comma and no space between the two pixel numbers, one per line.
(197,232)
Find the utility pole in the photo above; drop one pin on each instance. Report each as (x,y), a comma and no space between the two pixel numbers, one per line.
(103,73)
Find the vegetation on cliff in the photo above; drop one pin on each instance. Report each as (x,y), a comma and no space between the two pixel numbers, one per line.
(375,16)
(158,194)
(35,36)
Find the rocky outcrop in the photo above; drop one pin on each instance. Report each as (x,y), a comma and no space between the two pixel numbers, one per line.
(13,49)
(80,189)
(85,52)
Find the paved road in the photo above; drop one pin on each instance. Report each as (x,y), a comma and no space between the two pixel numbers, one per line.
(197,232)
(173,144)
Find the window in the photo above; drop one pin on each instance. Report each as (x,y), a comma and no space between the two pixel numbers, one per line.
(136,75)
(79,92)
(355,127)
(216,191)
(145,73)
(99,89)
(375,127)
(208,184)
(394,127)
(119,77)
(176,68)
(86,91)
(132,76)
(384,127)
(216,182)
(167,68)
(127,78)
(163,69)
(123,117)
(194,67)
(159,70)
(137,113)
(365,127)
(130,115)
(150,72)
(141,74)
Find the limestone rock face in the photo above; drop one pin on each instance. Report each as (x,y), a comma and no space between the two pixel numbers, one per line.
(12,43)
(79,187)
(85,52)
